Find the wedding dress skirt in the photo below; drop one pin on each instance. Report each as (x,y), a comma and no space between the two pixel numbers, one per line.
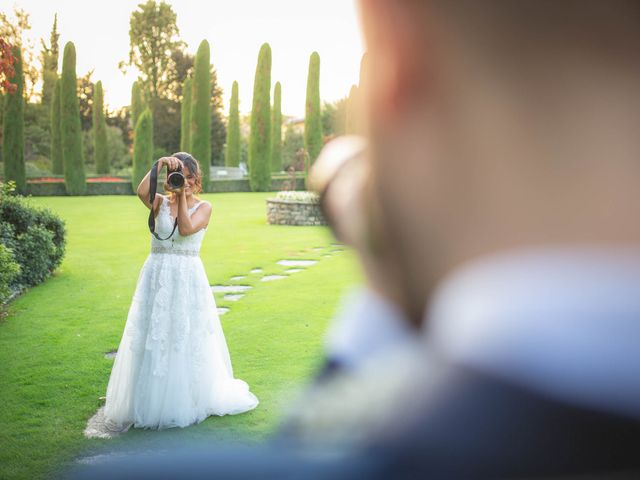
(173,367)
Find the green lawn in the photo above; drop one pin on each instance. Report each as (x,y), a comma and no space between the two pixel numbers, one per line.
(52,343)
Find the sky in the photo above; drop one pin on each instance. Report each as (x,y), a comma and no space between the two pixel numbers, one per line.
(235,30)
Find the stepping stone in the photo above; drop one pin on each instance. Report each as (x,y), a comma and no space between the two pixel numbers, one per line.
(318,249)
(111,355)
(294,270)
(230,288)
(256,270)
(297,263)
(239,277)
(270,278)
(233,297)
(222,310)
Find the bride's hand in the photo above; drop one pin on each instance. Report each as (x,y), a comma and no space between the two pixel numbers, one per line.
(172,163)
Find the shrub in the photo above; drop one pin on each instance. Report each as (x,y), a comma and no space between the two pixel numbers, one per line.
(35,236)
(9,270)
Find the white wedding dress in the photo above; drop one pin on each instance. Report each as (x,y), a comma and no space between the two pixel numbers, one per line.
(173,368)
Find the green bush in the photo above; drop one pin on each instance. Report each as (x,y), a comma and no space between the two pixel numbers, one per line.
(9,270)
(35,236)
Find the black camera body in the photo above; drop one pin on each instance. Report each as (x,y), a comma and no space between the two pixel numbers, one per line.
(175,179)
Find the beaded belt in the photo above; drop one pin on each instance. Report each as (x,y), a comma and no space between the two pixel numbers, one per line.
(174,251)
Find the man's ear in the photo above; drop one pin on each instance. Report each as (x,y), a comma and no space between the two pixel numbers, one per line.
(397,70)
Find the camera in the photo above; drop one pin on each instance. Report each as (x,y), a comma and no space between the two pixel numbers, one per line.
(175,179)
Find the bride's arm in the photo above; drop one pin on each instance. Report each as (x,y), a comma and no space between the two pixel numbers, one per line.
(200,219)
(144,187)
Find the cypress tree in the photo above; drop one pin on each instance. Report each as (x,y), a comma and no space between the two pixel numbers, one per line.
(201,111)
(351,112)
(232,155)
(50,65)
(142,147)
(71,133)
(276,130)
(313,114)
(100,131)
(136,104)
(185,116)
(260,138)
(56,139)
(13,128)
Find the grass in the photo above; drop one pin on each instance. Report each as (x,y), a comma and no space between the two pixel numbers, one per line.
(52,343)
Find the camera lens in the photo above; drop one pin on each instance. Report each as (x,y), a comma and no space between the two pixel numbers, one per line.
(175,180)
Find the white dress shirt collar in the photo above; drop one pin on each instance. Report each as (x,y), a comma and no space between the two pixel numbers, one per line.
(563,322)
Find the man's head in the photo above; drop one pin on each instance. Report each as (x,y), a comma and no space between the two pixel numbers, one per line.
(500,124)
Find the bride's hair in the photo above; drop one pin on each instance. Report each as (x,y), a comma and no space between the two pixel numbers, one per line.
(193,166)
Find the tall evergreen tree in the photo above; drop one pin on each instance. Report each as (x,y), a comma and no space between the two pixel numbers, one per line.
(142,148)
(201,111)
(313,114)
(260,137)
(71,132)
(100,131)
(137,104)
(50,56)
(56,135)
(276,130)
(185,116)
(13,128)
(352,120)
(232,155)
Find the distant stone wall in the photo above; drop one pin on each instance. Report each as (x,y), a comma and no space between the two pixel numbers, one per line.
(287,212)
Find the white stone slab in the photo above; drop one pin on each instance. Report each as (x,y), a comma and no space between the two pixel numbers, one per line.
(270,278)
(297,263)
(256,270)
(222,310)
(294,270)
(239,277)
(230,288)
(233,297)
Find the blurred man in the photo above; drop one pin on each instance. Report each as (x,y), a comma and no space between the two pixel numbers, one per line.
(504,172)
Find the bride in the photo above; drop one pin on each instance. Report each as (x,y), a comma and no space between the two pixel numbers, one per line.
(173,367)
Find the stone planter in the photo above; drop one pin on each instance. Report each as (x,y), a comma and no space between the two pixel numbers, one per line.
(292,212)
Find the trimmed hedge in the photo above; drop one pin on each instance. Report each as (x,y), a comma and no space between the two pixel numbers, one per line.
(49,189)
(9,270)
(34,236)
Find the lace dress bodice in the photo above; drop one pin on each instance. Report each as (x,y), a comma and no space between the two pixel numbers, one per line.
(177,244)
